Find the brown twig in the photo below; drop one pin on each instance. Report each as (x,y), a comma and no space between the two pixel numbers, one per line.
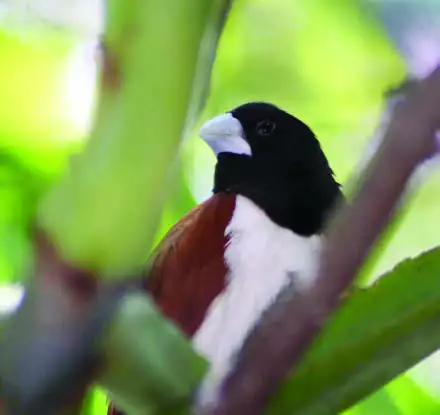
(289,327)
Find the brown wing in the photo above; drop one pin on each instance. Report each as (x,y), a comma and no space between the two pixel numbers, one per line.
(187,269)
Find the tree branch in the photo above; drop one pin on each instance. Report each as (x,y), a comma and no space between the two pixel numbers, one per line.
(289,327)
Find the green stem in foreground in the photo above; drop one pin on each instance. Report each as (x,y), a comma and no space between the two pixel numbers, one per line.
(157,61)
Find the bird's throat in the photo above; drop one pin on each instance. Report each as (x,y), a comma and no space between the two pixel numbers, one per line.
(295,198)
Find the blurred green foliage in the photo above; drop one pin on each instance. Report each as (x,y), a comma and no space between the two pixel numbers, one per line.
(328,65)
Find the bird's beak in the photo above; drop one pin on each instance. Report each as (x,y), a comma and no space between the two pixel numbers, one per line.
(224,134)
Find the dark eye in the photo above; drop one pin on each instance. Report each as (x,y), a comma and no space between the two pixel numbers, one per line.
(265,127)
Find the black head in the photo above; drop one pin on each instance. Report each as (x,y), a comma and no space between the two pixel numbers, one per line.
(275,160)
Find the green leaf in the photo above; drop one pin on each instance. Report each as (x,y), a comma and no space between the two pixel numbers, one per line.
(149,364)
(378,334)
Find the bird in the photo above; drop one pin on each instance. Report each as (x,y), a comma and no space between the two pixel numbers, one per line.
(227,260)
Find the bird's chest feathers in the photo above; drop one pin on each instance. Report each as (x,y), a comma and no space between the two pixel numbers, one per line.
(261,258)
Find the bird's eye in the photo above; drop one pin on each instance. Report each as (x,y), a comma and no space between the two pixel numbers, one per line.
(265,127)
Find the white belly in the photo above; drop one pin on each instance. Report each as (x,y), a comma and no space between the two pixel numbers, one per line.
(261,257)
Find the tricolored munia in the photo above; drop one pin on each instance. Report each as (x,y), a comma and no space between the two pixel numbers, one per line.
(221,266)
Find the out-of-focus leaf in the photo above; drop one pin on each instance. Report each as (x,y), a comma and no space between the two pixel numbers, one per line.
(36,134)
(149,365)
(381,332)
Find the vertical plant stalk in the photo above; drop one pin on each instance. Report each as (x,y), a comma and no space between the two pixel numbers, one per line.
(157,61)
(98,222)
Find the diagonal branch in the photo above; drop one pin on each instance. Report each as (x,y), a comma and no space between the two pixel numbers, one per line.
(288,328)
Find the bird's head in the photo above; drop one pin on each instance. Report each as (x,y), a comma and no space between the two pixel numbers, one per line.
(275,160)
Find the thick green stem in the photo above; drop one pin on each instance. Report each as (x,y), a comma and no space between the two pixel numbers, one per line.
(157,60)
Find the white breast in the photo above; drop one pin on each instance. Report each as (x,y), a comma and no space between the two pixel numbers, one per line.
(261,257)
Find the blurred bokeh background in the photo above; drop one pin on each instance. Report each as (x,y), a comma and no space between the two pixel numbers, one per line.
(328,62)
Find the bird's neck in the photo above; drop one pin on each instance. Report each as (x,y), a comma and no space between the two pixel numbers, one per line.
(296,198)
